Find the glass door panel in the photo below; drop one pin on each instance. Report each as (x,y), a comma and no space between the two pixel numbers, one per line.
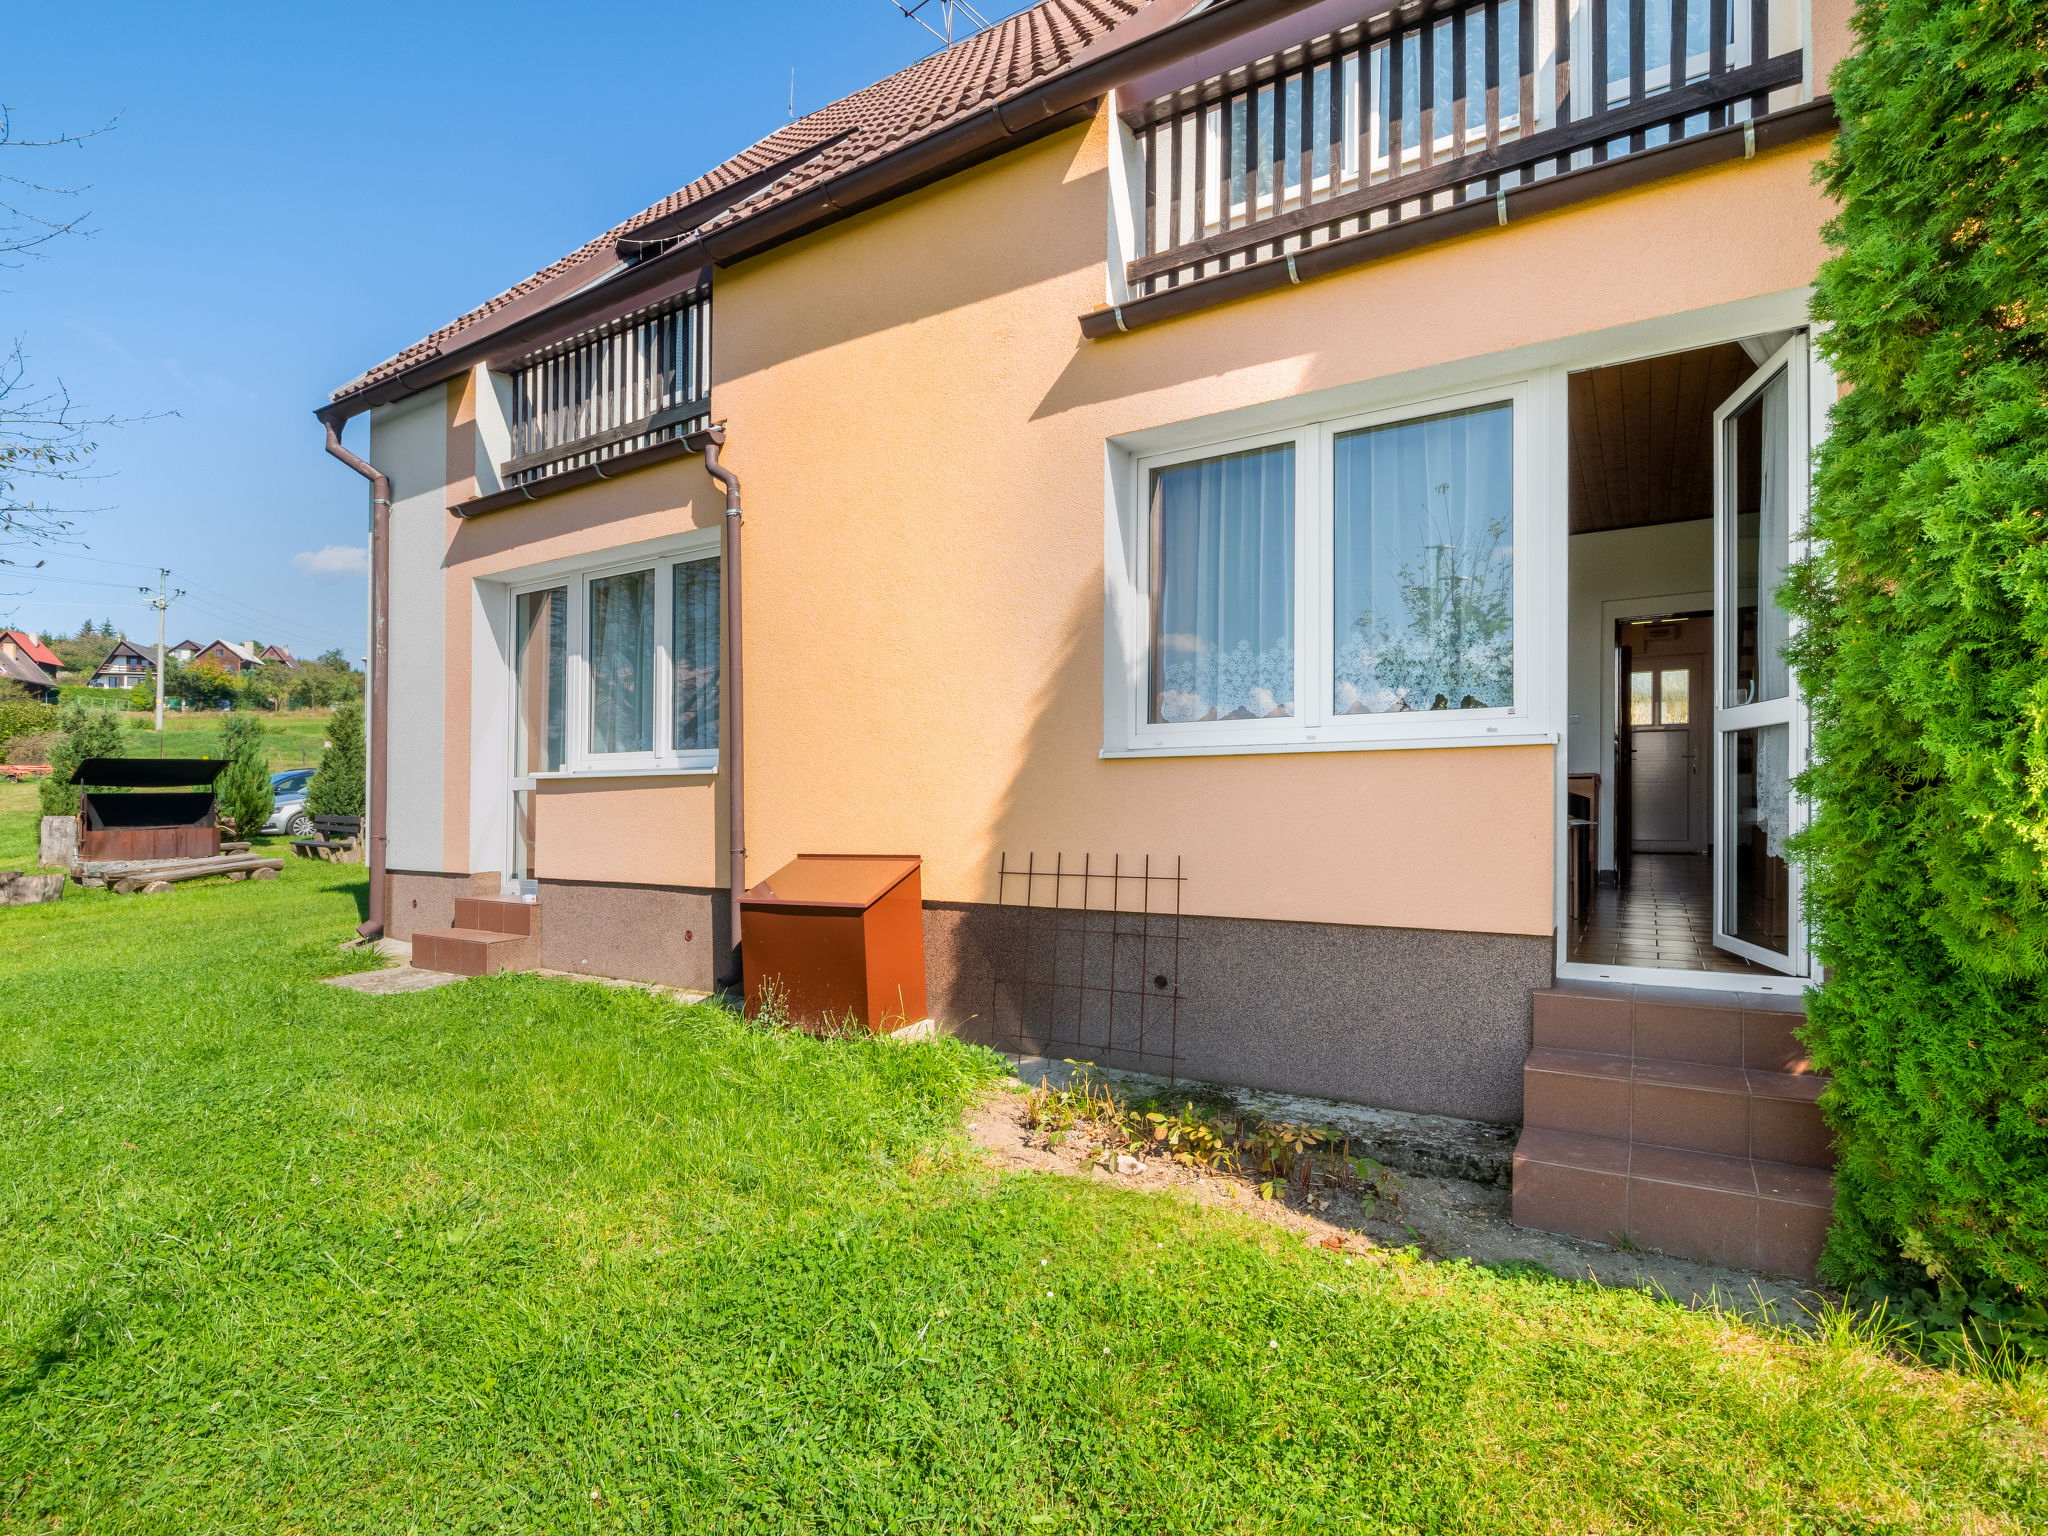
(540,714)
(1760,454)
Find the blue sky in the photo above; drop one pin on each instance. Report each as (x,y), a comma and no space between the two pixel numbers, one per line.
(293,193)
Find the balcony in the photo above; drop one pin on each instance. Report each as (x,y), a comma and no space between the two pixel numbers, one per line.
(621,387)
(1368,138)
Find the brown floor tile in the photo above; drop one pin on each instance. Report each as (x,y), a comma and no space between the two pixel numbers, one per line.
(1695,1119)
(1589,1106)
(1566,1021)
(1789,1237)
(1575,1201)
(1572,1150)
(1783,1131)
(1704,1170)
(1715,1225)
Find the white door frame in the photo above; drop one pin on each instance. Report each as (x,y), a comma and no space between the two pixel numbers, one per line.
(1818,393)
(1790,360)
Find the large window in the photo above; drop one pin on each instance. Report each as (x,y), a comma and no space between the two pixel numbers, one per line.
(617,667)
(1346,582)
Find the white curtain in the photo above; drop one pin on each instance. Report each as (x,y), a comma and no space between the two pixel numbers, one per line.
(694,647)
(543,642)
(1774,786)
(622,663)
(1223,583)
(1424,564)
(1774,536)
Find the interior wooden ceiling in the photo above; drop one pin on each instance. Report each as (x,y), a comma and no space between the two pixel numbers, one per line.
(1643,437)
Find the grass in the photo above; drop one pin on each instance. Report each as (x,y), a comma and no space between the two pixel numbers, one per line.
(295,737)
(529,1255)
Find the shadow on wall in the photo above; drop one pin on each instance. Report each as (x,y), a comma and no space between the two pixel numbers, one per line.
(1400,1018)
(975,257)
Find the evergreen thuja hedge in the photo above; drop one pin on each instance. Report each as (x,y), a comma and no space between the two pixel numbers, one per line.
(1926,651)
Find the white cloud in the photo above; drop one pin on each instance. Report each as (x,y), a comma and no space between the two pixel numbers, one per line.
(337,562)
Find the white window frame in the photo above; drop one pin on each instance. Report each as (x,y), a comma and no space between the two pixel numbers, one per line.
(580,759)
(1128,730)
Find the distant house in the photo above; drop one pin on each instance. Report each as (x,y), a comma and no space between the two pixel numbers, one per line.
(278,654)
(19,665)
(184,651)
(35,650)
(231,656)
(126,665)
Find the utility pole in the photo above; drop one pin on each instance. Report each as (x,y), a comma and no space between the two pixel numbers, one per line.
(161,599)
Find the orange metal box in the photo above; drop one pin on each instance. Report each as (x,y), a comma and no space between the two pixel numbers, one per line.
(838,935)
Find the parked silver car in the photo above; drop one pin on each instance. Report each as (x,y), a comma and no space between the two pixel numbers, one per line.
(290,816)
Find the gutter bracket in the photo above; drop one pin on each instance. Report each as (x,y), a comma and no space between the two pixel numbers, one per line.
(1292,275)
(1120,319)
(1500,204)
(1749,138)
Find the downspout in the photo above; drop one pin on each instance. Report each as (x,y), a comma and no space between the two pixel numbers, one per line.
(380,670)
(711,439)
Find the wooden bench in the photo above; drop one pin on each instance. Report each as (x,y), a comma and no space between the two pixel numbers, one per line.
(335,838)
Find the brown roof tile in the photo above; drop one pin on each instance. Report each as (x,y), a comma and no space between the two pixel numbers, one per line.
(1022,51)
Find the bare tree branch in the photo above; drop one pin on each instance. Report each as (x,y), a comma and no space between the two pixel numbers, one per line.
(23,230)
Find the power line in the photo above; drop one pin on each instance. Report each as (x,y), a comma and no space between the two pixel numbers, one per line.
(950,11)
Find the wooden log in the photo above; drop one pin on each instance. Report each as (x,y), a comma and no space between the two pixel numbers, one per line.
(170,877)
(22,890)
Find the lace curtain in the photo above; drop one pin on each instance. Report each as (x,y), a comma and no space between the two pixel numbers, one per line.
(541,726)
(1773,537)
(1424,564)
(695,651)
(1223,564)
(622,663)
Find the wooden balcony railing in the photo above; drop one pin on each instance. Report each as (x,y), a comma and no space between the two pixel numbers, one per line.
(626,385)
(1426,107)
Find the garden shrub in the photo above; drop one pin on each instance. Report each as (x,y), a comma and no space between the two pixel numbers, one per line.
(243,790)
(1926,654)
(337,788)
(25,717)
(88,732)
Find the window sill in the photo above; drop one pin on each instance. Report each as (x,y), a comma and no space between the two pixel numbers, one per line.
(652,771)
(1519,737)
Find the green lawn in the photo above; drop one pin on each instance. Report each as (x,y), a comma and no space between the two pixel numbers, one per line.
(294,736)
(528,1255)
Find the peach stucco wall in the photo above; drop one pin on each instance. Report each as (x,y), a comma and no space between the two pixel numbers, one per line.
(653,831)
(921,428)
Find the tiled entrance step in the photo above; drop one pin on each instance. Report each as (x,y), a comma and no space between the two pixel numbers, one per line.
(491,934)
(1680,1121)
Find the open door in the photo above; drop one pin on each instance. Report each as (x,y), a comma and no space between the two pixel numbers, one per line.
(1624,761)
(1761,444)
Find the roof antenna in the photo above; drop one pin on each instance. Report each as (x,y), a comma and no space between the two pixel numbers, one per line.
(792,93)
(947,9)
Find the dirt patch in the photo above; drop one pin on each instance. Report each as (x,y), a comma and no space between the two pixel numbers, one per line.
(1444,1218)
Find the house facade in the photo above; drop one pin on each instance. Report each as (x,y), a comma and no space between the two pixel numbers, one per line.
(126,665)
(232,656)
(22,662)
(1275,504)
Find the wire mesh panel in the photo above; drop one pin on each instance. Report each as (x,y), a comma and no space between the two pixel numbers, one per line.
(1429,107)
(625,385)
(1092,969)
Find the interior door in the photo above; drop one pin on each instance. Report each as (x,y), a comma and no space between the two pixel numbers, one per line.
(1761,443)
(1667,756)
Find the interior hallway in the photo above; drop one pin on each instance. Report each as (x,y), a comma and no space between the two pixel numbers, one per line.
(1663,917)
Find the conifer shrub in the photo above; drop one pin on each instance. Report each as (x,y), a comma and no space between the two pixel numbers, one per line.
(243,791)
(88,732)
(1925,652)
(337,788)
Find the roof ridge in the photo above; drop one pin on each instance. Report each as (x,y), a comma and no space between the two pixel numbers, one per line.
(1030,46)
